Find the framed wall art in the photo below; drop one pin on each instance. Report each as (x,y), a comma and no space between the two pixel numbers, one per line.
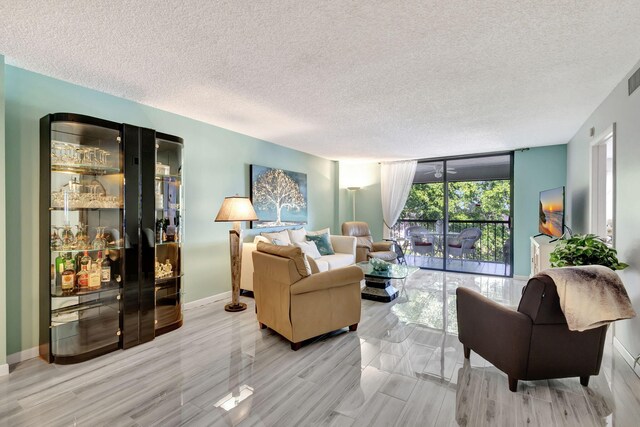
(278,196)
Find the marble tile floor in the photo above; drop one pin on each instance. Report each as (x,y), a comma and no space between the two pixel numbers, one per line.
(399,369)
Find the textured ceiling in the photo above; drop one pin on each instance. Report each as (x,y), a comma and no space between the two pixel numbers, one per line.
(343,79)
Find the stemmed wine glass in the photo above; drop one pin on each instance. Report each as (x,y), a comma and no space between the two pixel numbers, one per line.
(100,242)
(68,239)
(82,238)
(56,241)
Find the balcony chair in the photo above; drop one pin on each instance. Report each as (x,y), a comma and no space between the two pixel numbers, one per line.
(421,242)
(464,243)
(532,343)
(366,248)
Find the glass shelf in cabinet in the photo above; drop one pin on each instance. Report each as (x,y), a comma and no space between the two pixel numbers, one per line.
(84,209)
(162,177)
(112,286)
(77,251)
(161,280)
(85,170)
(110,302)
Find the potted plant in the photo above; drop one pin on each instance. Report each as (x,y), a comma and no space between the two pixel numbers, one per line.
(585,249)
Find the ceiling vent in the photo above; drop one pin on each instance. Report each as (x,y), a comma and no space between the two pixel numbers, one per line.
(634,81)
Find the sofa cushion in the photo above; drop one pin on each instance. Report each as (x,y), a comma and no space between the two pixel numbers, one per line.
(283,236)
(338,260)
(323,242)
(309,248)
(293,253)
(297,235)
(322,264)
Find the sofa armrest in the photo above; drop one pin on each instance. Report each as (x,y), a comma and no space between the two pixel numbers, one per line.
(327,280)
(497,333)
(344,244)
(382,246)
(246,266)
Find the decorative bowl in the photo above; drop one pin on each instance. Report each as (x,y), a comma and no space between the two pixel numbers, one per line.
(379,265)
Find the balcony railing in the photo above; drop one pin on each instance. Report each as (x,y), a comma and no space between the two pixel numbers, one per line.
(493,245)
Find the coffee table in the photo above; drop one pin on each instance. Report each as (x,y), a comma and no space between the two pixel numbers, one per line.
(378,285)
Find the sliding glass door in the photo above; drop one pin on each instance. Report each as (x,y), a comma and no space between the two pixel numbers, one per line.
(458,215)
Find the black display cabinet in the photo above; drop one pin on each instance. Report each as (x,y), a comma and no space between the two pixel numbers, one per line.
(98,289)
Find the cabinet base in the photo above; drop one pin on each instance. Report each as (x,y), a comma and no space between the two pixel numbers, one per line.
(169,328)
(68,360)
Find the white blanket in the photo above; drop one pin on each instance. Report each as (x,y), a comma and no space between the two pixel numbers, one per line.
(590,296)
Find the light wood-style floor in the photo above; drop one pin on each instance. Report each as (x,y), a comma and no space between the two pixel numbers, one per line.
(398,369)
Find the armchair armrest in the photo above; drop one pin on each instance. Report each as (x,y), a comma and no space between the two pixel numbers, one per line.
(344,244)
(382,246)
(328,279)
(497,333)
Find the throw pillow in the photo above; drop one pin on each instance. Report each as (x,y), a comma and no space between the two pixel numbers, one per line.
(323,242)
(309,248)
(297,235)
(280,235)
(319,232)
(279,242)
(290,252)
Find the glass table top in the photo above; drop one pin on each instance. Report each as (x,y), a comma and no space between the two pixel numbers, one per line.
(396,271)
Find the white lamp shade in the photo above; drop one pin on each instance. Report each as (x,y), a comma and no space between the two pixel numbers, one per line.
(236,208)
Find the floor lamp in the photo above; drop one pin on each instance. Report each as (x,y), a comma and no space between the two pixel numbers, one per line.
(353,199)
(235,209)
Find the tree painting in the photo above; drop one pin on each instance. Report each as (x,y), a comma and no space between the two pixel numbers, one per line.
(279,196)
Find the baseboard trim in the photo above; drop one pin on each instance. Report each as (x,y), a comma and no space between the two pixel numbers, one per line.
(628,357)
(21,356)
(207,300)
(4,369)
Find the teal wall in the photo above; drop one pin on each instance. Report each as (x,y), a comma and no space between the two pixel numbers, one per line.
(624,110)
(216,165)
(535,170)
(3,232)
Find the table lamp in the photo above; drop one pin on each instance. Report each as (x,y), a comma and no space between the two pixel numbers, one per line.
(235,209)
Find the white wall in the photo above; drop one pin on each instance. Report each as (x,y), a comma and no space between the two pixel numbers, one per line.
(624,110)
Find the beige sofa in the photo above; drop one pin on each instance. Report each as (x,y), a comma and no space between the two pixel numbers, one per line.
(299,304)
(343,246)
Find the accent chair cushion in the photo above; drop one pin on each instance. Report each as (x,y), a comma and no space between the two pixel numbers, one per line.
(293,253)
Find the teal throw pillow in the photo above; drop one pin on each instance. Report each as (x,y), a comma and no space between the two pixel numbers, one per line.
(323,243)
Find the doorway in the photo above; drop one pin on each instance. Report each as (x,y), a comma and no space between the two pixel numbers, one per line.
(602,186)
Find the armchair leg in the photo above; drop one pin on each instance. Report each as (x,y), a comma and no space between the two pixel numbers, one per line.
(513,384)
(467,352)
(262,326)
(585,380)
(353,327)
(295,346)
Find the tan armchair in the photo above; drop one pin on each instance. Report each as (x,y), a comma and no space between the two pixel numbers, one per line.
(300,305)
(366,248)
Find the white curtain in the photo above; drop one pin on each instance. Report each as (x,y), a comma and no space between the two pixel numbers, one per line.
(396,179)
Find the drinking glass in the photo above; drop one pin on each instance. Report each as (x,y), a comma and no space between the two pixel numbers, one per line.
(56,241)
(100,242)
(82,238)
(68,239)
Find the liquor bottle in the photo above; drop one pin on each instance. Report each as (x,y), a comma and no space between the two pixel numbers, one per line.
(94,276)
(83,274)
(59,266)
(105,270)
(68,277)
